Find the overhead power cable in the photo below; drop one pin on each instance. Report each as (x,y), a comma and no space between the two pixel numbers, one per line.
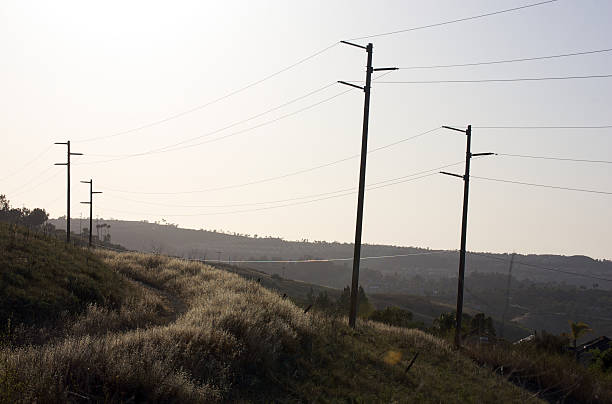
(545,268)
(349,190)
(304,261)
(266,123)
(593,76)
(555,158)
(277,177)
(167,149)
(286,261)
(593,191)
(27,164)
(216,100)
(494,62)
(474,17)
(227,126)
(24,187)
(377,185)
(544,127)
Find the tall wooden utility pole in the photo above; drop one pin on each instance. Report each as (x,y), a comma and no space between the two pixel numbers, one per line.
(466,190)
(90,203)
(362,173)
(67,164)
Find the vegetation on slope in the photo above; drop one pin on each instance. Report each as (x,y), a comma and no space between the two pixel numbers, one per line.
(42,278)
(230,339)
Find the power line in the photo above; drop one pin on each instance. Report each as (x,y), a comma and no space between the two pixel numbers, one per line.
(293,173)
(158,151)
(326,259)
(199,107)
(545,268)
(493,62)
(23,188)
(555,158)
(166,149)
(230,125)
(351,189)
(28,163)
(287,261)
(452,21)
(593,76)
(593,191)
(377,185)
(545,127)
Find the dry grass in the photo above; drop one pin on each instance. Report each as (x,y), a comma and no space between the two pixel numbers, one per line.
(226,339)
(233,333)
(556,377)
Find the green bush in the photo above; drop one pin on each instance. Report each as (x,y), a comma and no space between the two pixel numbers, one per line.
(393,316)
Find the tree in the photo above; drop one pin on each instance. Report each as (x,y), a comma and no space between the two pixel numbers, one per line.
(364,307)
(578,330)
(393,316)
(36,218)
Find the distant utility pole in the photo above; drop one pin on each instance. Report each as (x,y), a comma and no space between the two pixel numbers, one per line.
(362,173)
(90,203)
(219,256)
(507,296)
(466,190)
(67,164)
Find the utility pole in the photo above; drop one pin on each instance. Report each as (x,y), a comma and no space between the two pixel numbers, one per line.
(362,173)
(507,296)
(466,190)
(90,203)
(67,164)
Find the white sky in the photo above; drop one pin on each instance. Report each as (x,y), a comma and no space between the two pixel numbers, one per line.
(78,70)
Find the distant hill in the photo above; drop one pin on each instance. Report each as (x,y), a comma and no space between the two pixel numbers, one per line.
(377,275)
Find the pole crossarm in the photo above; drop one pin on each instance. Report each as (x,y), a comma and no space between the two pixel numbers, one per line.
(484,154)
(353,44)
(455,129)
(451,174)
(382,69)
(351,85)
(67,164)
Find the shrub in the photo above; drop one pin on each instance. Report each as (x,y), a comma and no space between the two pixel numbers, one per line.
(393,316)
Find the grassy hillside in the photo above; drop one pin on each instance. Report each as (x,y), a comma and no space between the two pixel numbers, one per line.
(228,339)
(42,278)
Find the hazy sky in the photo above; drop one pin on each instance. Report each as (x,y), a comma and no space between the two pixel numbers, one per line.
(75,70)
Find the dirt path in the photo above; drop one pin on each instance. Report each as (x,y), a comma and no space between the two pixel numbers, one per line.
(176,306)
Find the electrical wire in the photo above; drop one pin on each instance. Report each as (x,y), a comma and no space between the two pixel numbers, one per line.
(21,189)
(322,259)
(544,127)
(285,261)
(506,60)
(28,163)
(593,76)
(308,107)
(351,189)
(383,184)
(266,123)
(199,107)
(452,21)
(555,158)
(293,173)
(227,126)
(593,191)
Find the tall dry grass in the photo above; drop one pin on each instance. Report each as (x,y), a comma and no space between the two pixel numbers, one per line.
(231,334)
